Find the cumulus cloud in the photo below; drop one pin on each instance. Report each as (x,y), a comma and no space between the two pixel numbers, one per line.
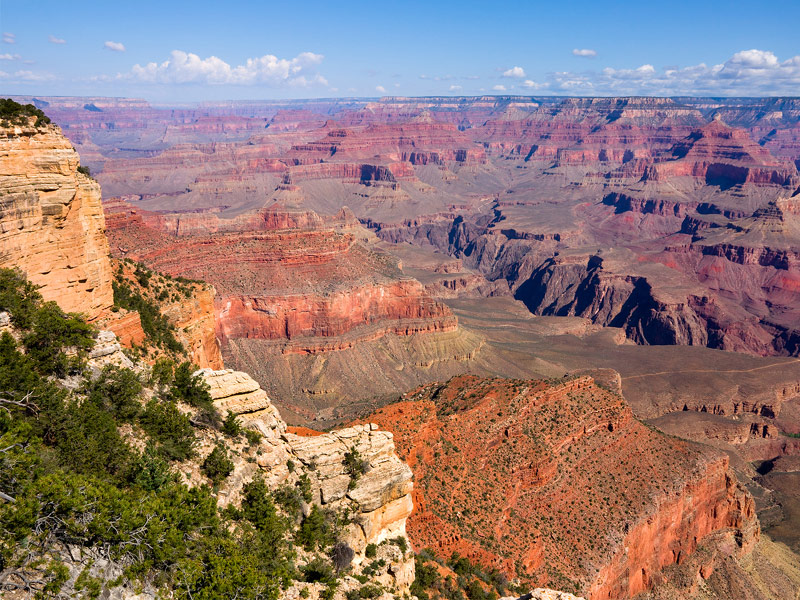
(499,88)
(7,56)
(55,40)
(9,38)
(516,72)
(380,88)
(747,73)
(587,52)
(455,88)
(115,46)
(185,67)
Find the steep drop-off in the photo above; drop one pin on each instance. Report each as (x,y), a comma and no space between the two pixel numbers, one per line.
(52,219)
(559,484)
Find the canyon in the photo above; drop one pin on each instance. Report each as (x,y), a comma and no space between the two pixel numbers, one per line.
(355,251)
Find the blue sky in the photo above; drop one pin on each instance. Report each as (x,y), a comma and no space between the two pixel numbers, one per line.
(186,51)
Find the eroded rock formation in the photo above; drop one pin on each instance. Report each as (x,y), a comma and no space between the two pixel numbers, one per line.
(379,499)
(52,220)
(503,469)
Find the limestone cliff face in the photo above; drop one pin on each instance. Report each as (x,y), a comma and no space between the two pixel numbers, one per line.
(379,500)
(51,220)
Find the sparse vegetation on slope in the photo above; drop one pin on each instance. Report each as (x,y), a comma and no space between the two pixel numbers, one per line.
(97,466)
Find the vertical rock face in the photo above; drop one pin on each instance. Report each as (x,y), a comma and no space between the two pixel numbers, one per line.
(194,321)
(51,220)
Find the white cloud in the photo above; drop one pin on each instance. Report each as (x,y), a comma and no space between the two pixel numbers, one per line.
(26,76)
(437,77)
(746,73)
(754,59)
(54,40)
(640,72)
(380,88)
(499,88)
(9,38)
(10,56)
(185,67)
(455,88)
(587,52)
(115,46)
(532,85)
(517,72)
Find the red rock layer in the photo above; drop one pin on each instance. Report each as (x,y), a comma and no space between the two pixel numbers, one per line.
(312,284)
(719,153)
(557,483)
(393,142)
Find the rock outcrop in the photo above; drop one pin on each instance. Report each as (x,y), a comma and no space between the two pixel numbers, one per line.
(52,220)
(298,285)
(378,499)
(558,484)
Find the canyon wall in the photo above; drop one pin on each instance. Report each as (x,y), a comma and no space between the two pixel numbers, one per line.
(53,226)
(557,483)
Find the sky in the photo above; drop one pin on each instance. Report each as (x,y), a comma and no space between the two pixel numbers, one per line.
(177,52)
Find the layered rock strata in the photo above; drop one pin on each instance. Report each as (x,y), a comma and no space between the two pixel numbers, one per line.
(518,457)
(379,500)
(52,220)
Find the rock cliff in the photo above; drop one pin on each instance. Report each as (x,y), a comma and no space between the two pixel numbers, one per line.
(293,289)
(52,220)
(503,468)
(378,498)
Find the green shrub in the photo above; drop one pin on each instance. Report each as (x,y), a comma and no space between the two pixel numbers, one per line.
(366,592)
(84,170)
(354,465)
(150,471)
(290,500)
(259,508)
(426,577)
(401,543)
(157,328)
(168,426)
(231,426)
(371,551)
(53,331)
(316,531)
(162,373)
(116,390)
(217,466)
(304,485)
(318,570)
(18,114)
(193,390)
(19,297)
(87,440)
(253,437)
